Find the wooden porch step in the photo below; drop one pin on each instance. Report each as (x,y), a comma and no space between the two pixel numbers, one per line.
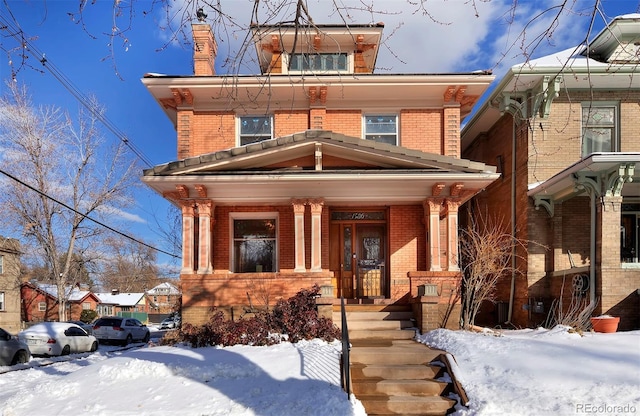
(406,405)
(385,334)
(399,387)
(395,372)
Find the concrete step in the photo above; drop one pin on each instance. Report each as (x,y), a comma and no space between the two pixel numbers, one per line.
(399,387)
(395,372)
(406,405)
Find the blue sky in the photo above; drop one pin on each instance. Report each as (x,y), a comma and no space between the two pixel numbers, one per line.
(446,36)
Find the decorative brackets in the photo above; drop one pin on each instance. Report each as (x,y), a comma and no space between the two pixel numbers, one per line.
(545,202)
(513,103)
(618,179)
(545,92)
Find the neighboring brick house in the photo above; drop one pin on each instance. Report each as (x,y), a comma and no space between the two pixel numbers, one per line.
(316,171)
(40,302)
(165,298)
(564,132)
(10,285)
(112,303)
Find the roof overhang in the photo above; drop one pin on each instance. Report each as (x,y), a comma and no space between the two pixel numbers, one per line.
(335,188)
(600,174)
(253,94)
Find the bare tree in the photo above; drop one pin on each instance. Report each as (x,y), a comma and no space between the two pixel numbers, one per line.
(128,266)
(57,176)
(486,251)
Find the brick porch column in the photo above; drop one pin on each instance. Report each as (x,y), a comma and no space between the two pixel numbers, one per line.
(205,209)
(316,234)
(432,219)
(187,237)
(298,224)
(452,235)
(608,236)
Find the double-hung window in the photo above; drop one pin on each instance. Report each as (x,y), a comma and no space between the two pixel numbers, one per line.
(255,242)
(255,129)
(1,301)
(381,128)
(599,127)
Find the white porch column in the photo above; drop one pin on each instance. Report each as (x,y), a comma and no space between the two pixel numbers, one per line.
(298,225)
(452,235)
(187,238)
(432,209)
(205,209)
(316,234)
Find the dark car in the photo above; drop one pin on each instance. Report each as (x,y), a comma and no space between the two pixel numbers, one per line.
(120,330)
(12,350)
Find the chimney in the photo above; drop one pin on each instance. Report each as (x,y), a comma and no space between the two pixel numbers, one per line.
(205,49)
(115,291)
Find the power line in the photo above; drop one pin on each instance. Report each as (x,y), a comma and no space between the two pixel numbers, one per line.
(86,216)
(27,47)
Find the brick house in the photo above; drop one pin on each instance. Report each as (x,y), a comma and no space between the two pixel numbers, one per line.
(563,131)
(40,302)
(10,285)
(165,298)
(114,302)
(317,171)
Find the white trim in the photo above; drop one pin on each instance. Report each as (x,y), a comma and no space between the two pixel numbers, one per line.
(239,118)
(381,114)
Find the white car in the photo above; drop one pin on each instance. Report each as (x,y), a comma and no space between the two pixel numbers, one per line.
(57,338)
(120,330)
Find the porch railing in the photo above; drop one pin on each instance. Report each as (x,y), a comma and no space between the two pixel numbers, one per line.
(345,366)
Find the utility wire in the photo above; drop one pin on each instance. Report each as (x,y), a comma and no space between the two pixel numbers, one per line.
(86,216)
(17,33)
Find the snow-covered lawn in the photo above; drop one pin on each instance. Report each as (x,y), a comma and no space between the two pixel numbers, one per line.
(545,372)
(527,372)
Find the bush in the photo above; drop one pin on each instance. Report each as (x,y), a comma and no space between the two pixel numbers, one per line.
(294,319)
(87,316)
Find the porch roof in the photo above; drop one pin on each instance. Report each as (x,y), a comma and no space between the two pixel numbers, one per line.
(613,174)
(369,172)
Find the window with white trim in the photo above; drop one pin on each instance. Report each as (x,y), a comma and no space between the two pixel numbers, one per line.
(255,242)
(1,301)
(255,129)
(86,306)
(381,128)
(599,127)
(319,62)
(42,306)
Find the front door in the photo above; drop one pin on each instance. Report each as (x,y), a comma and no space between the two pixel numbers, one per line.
(370,254)
(357,256)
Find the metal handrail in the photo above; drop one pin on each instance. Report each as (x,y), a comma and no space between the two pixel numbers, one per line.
(345,367)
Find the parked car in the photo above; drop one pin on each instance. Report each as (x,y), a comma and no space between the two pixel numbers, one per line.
(168,323)
(57,338)
(12,350)
(87,327)
(120,330)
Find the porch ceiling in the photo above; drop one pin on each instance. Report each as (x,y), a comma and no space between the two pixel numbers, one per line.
(334,187)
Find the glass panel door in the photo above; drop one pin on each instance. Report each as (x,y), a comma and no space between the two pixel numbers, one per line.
(370,253)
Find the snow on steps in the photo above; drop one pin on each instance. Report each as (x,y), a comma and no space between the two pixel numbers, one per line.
(390,372)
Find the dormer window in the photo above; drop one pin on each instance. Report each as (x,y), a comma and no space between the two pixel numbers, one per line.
(318,62)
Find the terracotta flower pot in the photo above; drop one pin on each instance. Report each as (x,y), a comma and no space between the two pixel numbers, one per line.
(606,324)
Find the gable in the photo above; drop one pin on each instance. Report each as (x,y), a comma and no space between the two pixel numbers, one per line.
(317,150)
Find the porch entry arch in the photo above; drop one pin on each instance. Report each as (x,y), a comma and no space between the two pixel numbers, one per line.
(359,253)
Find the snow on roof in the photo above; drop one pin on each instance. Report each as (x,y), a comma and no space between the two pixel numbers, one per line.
(164,289)
(73,293)
(122,299)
